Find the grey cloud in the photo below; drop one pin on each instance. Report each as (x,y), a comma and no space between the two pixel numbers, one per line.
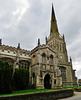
(35,23)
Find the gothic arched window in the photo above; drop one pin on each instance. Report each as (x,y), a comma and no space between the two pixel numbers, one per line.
(63,73)
(23,64)
(51,59)
(9,60)
(43,58)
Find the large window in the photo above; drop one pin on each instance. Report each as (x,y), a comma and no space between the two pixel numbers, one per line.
(43,58)
(51,59)
(24,64)
(63,73)
(9,60)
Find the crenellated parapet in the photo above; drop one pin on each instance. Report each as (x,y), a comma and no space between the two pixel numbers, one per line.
(15,56)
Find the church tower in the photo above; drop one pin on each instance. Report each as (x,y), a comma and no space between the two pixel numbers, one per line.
(56,41)
(58,44)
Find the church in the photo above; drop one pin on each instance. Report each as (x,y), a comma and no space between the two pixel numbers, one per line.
(48,63)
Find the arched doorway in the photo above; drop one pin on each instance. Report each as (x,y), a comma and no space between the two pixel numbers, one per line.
(47,83)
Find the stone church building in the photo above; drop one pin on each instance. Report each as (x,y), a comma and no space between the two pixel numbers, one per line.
(48,64)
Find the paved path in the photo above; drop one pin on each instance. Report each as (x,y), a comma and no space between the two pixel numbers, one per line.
(77,96)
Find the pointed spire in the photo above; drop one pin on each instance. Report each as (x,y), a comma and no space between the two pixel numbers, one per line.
(53,14)
(54,28)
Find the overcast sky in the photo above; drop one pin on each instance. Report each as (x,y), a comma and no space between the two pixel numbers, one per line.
(24,21)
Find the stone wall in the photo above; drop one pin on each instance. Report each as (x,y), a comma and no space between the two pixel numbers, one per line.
(52,95)
(77,89)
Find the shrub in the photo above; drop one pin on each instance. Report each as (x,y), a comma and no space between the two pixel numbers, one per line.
(21,79)
(5,77)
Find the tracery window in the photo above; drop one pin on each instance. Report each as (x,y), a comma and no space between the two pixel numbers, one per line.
(24,64)
(43,58)
(9,60)
(63,73)
(51,59)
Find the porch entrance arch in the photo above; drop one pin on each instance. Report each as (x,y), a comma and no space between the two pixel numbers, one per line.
(47,81)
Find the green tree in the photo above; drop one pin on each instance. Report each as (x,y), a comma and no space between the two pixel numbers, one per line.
(5,77)
(21,79)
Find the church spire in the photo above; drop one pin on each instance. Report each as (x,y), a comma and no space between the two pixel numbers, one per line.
(53,15)
(54,28)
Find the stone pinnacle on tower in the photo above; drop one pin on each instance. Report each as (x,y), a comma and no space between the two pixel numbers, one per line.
(38,42)
(54,28)
(18,46)
(63,37)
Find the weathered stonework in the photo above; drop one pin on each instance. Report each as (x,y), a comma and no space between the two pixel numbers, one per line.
(15,56)
(57,43)
(44,66)
(48,63)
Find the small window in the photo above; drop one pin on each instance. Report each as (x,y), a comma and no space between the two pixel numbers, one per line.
(53,20)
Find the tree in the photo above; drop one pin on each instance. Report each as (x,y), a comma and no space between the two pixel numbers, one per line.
(5,77)
(21,79)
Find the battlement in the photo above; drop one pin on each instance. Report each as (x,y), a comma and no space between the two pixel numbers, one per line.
(13,49)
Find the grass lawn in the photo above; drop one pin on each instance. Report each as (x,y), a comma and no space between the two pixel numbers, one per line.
(36,90)
(72,87)
(28,91)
